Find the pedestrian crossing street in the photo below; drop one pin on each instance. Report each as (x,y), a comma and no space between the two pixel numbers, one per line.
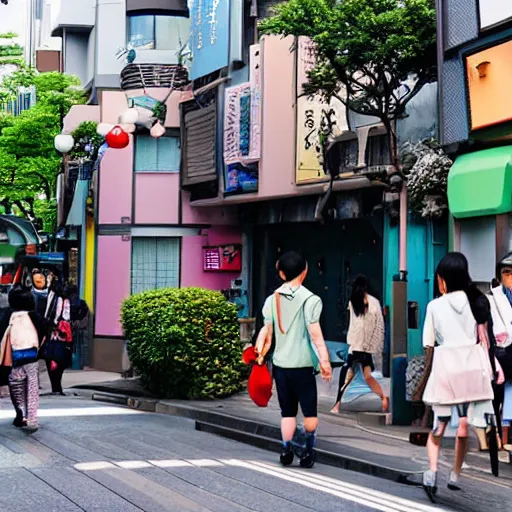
(357,494)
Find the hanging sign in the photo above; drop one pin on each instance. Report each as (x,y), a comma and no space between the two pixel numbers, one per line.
(311,113)
(222,258)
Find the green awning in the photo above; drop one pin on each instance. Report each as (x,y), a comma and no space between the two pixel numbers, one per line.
(480,183)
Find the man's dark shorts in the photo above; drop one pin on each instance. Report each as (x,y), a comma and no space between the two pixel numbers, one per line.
(296,386)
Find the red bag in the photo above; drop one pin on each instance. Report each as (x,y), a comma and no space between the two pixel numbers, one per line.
(260,380)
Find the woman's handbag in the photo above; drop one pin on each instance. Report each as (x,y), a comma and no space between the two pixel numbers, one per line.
(58,346)
(459,375)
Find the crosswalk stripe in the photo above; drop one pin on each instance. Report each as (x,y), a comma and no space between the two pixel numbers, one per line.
(401,504)
(205,463)
(362,498)
(133,464)
(170,463)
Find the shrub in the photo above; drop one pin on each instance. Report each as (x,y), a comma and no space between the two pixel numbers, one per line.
(184,343)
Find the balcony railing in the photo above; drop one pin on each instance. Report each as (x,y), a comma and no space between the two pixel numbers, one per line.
(141,76)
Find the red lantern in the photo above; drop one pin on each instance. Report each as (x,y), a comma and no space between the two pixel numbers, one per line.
(117,138)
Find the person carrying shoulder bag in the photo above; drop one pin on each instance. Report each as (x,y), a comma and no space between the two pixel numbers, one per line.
(292,314)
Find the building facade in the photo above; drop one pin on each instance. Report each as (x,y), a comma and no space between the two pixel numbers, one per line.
(237,179)
(475,44)
(136,227)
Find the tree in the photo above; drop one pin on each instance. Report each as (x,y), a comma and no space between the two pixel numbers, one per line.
(29,163)
(373,55)
(10,52)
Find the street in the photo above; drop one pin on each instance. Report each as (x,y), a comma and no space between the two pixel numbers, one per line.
(94,457)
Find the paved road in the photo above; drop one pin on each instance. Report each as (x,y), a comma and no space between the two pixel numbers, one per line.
(93,457)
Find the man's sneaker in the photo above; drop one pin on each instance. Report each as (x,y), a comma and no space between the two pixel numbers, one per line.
(453,483)
(308,459)
(430,485)
(287,456)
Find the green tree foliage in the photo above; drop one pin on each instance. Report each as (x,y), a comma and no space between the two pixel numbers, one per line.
(184,343)
(11,53)
(29,164)
(374,55)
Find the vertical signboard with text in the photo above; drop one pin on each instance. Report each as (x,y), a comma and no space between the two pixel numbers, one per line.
(242,131)
(209,37)
(311,112)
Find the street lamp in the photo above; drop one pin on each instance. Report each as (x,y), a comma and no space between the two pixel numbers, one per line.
(64,143)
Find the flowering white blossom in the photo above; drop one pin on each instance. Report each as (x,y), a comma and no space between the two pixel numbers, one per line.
(426,167)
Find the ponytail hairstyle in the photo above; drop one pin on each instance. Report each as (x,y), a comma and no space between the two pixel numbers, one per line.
(358,295)
(454,270)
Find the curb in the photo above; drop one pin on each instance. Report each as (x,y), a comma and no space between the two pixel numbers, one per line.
(257,434)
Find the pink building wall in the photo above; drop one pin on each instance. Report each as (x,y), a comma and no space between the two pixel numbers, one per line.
(114,103)
(277,165)
(112,283)
(80,113)
(192,273)
(217,215)
(157,198)
(115,185)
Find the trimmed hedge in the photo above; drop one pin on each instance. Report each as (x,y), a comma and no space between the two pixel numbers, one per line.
(184,343)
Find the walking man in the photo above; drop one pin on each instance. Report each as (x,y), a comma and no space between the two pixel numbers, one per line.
(292,313)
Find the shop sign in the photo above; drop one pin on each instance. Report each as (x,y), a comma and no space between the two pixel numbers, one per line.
(222,258)
(494,12)
(209,36)
(242,131)
(312,112)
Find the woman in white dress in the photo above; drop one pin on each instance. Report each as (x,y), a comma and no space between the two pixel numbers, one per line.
(459,383)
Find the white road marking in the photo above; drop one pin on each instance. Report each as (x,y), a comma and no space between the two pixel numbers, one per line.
(170,463)
(387,503)
(368,497)
(133,464)
(94,466)
(401,504)
(205,463)
(77,412)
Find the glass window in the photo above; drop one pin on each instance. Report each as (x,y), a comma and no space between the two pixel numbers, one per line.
(141,32)
(157,155)
(155,264)
(158,32)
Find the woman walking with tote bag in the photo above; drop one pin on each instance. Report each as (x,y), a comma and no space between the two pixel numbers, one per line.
(460,379)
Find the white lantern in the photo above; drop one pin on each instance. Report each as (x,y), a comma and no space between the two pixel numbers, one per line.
(157,131)
(64,143)
(130,116)
(103,128)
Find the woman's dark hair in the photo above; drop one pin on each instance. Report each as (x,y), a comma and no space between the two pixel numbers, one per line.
(72,290)
(454,270)
(291,264)
(358,294)
(21,299)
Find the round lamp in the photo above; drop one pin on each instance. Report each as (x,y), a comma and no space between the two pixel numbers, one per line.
(64,143)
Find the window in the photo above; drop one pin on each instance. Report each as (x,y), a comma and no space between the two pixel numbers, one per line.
(155,263)
(157,155)
(157,32)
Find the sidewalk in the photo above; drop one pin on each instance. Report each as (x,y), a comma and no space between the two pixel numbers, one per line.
(343,441)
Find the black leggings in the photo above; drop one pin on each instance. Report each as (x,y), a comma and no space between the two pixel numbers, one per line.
(55,377)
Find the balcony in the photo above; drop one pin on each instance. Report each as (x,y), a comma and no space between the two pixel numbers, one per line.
(142,76)
(157,7)
(74,15)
